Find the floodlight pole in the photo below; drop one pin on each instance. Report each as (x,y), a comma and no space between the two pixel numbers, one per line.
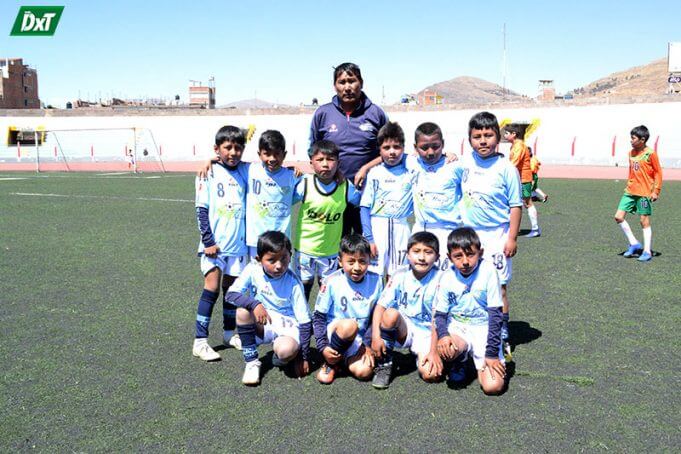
(134,147)
(37,152)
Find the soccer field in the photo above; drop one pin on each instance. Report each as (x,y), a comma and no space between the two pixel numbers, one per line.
(98,296)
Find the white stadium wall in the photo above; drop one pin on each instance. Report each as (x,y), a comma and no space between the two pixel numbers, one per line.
(577,135)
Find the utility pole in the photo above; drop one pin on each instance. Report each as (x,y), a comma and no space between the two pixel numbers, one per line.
(503,64)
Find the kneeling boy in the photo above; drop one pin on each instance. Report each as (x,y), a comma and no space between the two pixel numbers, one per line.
(343,312)
(403,317)
(468,313)
(276,311)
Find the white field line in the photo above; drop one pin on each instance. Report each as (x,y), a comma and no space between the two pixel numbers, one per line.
(104,197)
(11,178)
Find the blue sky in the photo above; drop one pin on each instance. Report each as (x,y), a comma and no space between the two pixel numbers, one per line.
(284,51)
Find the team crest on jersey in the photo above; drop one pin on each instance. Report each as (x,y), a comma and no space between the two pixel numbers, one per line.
(367,127)
(333,128)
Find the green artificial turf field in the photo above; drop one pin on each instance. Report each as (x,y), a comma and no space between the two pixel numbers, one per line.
(98,297)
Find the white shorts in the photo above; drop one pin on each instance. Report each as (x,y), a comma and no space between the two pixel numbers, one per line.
(356,343)
(441,234)
(308,266)
(391,237)
(417,340)
(229,266)
(476,341)
(281,325)
(493,242)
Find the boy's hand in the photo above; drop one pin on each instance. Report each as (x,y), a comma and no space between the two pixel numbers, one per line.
(374,250)
(331,356)
(511,247)
(302,367)
(496,368)
(211,251)
(447,349)
(378,345)
(203,171)
(261,315)
(298,172)
(360,176)
(450,157)
(654,196)
(368,357)
(432,363)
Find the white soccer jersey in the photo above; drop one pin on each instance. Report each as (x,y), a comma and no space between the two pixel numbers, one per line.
(223,193)
(268,201)
(466,298)
(340,297)
(284,295)
(490,188)
(436,192)
(388,191)
(412,297)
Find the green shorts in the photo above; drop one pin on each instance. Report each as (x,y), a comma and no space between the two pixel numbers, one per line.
(527,190)
(636,204)
(535,180)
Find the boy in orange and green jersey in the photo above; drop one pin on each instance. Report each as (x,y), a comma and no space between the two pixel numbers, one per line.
(535,164)
(643,188)
(520,157)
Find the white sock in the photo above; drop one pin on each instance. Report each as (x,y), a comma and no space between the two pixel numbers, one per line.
(541,193)
(647,239)
(199,341)
(628,233)
(532,213)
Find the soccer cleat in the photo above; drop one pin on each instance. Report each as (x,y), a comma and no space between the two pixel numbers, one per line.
(233,341)
(204,351)
(633,250)
(546,198)
(645,257)
(382,374)
(534,233)
(508,355)
(277,362)
(326,374)
(251,373)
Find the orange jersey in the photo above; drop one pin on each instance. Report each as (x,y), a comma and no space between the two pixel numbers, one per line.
(520,157)
(534,165)
(645,173)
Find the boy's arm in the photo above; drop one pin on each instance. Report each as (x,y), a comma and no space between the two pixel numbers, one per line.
(657,184)
(361,174)
(365,217)
(354,196)
(493,332)
(319,326)
(511,246)
(302,314)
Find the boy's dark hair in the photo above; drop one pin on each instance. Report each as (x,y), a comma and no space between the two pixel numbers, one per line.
(353,243)
(325,147)
(484,120)
(641,132)
(349,68)
(464,238)
(425,238)
(517,129)
(272,141)
(390,130)
(273,241)
(230,134)
(427,129)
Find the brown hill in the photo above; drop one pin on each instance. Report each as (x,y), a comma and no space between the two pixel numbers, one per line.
(471,90)
(646,80)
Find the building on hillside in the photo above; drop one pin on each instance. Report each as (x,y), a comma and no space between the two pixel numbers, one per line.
(429,98)
(201,96)
(547,92)
(18,85)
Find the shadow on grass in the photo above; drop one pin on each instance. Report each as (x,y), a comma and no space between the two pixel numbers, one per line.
(653,253)
(522,333)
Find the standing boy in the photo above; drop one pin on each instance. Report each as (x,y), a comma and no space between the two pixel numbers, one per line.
(325,196)
(643,188)
(387,202)
(220,212)
(520,157)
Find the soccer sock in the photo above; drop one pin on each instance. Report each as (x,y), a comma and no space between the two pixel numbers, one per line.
(307,286)
(248,344)
(338,344)
(532,213)
(628,233)
(541,193)
(206,303)
(647,239)
(228,316)
(504,324)
(389,336)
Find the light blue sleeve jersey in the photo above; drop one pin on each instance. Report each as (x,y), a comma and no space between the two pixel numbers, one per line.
(284,294)
(223,193)
(388,191)
(268,201)
(490,187)
(413,298)
(466,298)
(340,297)
(354,196)
(437,191)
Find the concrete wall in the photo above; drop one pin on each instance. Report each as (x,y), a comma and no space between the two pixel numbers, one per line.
(588,130)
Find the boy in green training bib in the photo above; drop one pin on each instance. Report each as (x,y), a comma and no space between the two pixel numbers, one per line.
(325,194)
